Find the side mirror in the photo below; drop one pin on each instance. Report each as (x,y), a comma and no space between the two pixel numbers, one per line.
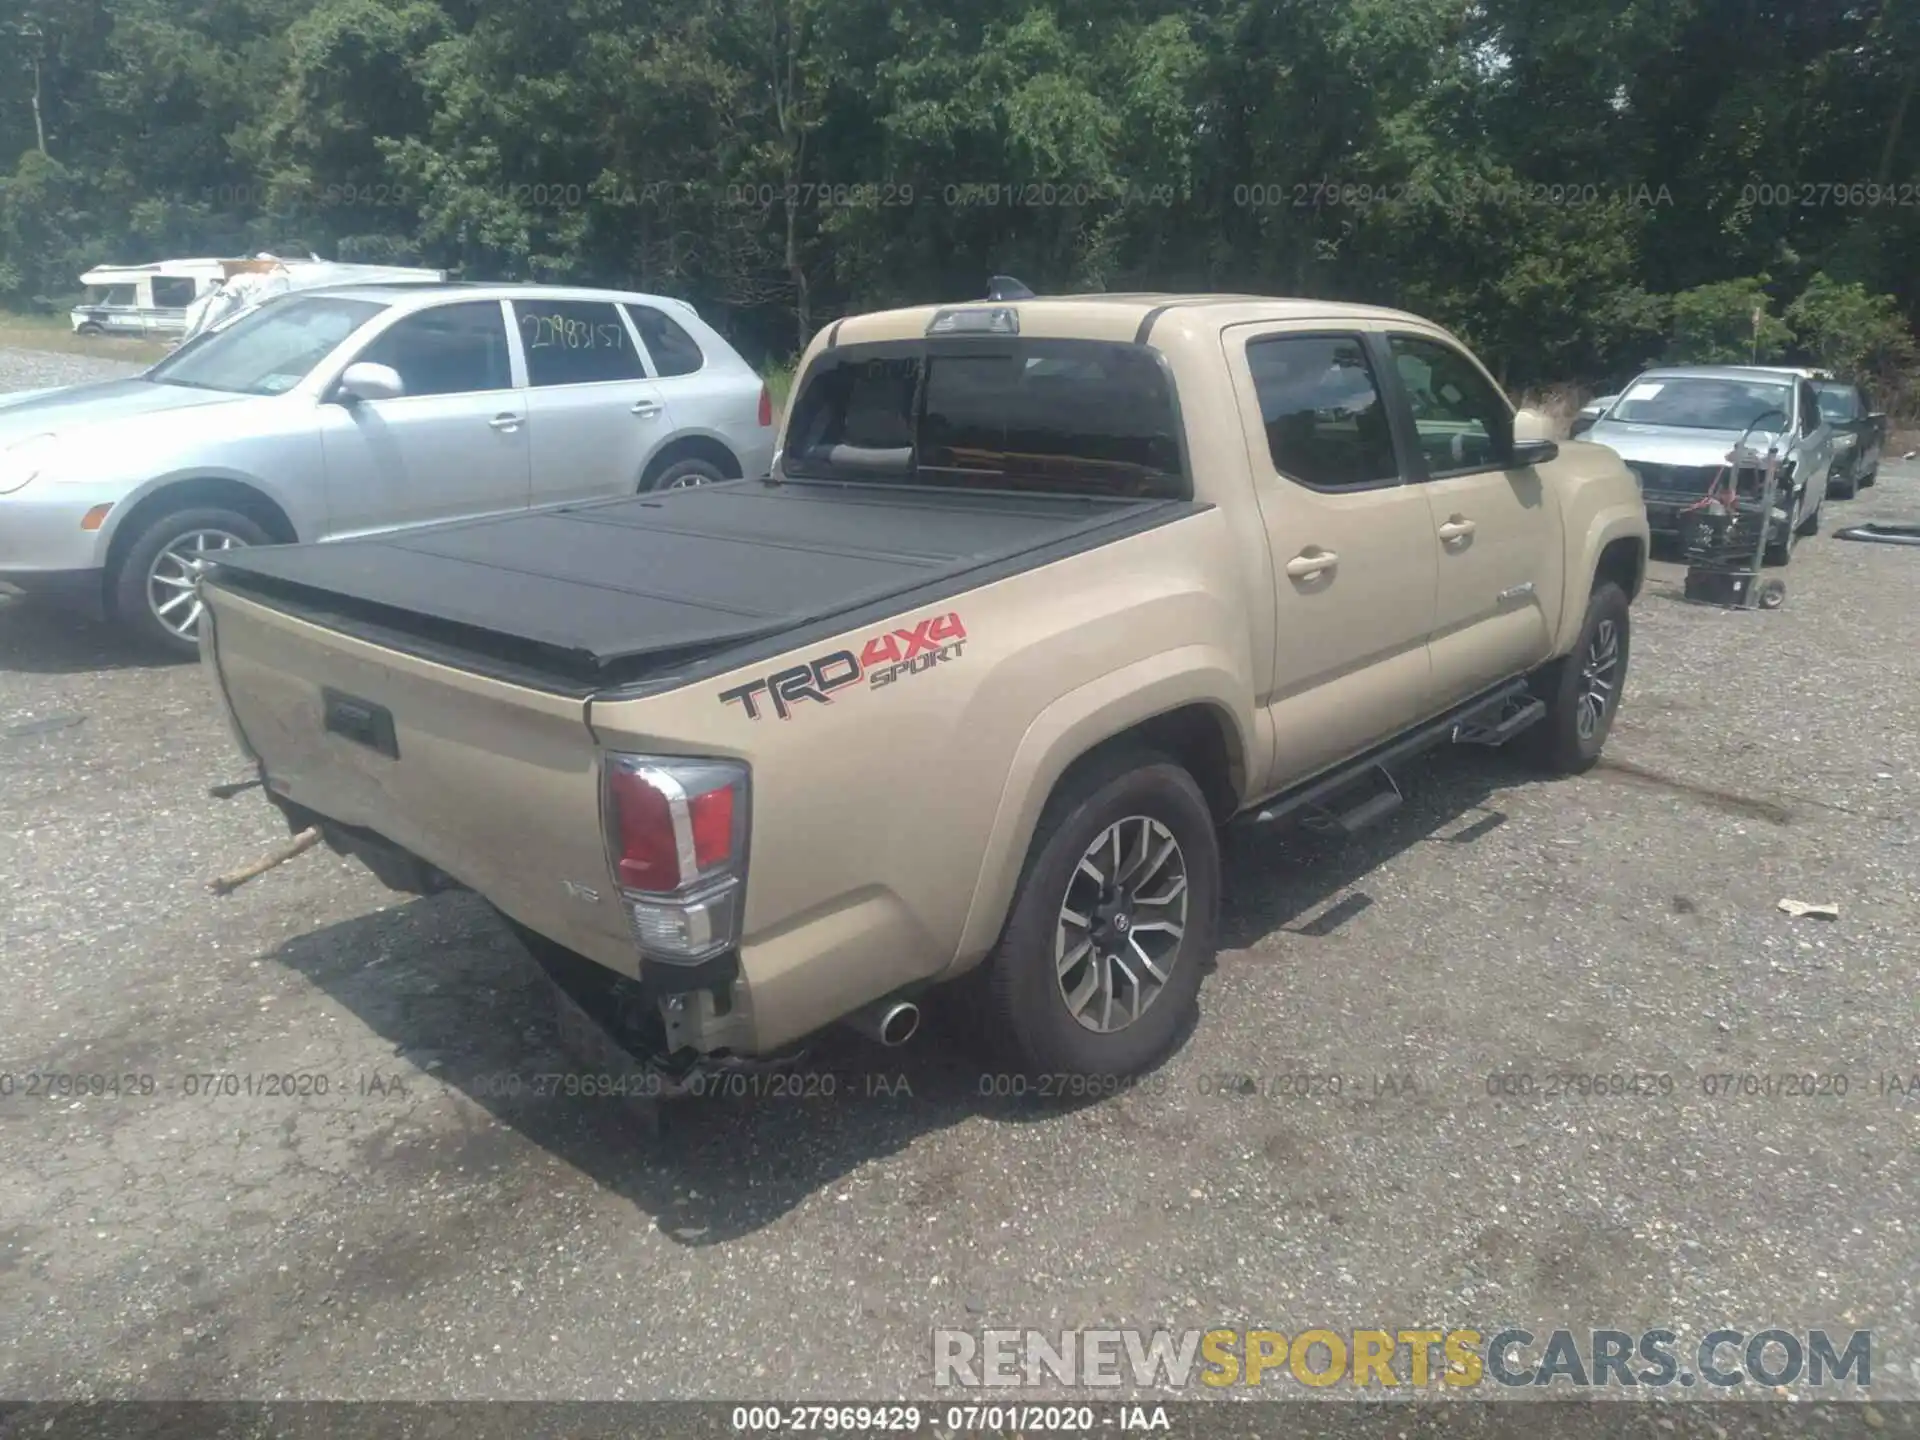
(1533,442)
(1581,424)
(365,381)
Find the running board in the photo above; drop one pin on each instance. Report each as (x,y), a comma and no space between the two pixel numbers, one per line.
(1485,713)
(1519,716)
(1363,813)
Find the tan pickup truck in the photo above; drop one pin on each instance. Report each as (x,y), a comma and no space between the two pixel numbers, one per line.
(1040,593)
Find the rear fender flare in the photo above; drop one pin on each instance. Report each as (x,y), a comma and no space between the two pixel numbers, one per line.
(1072,726)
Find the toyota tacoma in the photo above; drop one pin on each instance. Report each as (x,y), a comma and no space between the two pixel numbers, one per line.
(1040,593)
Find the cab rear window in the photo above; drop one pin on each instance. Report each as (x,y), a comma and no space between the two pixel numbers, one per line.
(1058,416)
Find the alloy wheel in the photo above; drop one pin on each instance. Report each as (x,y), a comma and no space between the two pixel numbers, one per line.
(1121,923)
(1599,679)
(173,580)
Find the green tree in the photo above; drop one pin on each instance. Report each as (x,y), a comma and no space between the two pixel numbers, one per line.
(1572,188)
(1844,328)
(1727,322)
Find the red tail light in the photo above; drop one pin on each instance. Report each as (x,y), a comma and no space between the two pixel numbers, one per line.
(766,406)
(711,815)
(677,835)
(648,857)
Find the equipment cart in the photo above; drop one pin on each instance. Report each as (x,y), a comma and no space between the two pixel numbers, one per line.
(1726,531)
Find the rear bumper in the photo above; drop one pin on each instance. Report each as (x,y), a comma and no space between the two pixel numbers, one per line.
(756,456)
(401,870)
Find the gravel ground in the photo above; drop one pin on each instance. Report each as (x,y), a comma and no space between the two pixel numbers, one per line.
(38,369)
(415,1234)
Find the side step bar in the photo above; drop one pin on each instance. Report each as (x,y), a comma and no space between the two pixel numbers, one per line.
(1370,810)
(1503,711)
(1501,728)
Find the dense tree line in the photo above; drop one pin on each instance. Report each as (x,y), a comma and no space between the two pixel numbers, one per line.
(1575,187)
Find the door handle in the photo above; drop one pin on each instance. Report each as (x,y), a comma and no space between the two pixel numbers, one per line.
(646,409)
(1304,567)
(1458,528)
(505,422)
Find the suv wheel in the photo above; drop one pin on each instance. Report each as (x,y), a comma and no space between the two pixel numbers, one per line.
(153,592)
(1099,967)
(1810,525)
(1582,690)
(1846,489)
(1780,550)
(683,474)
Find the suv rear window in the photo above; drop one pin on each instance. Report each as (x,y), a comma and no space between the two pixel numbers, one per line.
(1063,416)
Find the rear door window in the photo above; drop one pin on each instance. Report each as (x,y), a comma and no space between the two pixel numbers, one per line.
(576,342)
(1326,424)
(674,351)
(1078,417)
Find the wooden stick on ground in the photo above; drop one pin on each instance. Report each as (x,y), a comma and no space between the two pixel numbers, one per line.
(299,845)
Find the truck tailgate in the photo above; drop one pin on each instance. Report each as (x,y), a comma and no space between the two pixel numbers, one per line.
(495,784)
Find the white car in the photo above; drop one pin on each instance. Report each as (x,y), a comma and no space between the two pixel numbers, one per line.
(354,409)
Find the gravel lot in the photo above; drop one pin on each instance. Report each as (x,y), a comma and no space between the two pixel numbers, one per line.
(37,369)
(412,1233)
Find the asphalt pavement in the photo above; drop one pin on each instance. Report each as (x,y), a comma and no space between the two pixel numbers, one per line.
(402,1216)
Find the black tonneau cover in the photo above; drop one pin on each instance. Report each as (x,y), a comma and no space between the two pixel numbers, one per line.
(601,593)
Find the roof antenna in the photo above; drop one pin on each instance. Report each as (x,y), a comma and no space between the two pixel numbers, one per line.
(1005,287)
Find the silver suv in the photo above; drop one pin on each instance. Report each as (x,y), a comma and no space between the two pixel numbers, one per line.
(356,409)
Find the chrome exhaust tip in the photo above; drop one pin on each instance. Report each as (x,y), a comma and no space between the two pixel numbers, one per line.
(891,1023)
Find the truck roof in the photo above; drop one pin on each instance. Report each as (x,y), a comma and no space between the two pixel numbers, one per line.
(1116,316)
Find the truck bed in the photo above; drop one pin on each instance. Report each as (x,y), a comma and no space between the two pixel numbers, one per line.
(578,598)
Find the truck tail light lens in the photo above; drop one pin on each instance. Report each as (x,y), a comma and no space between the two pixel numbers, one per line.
(677,844)
(766,407)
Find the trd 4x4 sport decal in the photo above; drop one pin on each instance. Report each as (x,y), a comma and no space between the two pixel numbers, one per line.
(882,661)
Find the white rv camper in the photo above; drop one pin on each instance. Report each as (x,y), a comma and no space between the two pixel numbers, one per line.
(143,299)
(157,300)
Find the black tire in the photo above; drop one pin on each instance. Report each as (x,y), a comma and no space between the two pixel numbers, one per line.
(1867,480)
(1810,525)
(1024,1009)
(1554,744)
(89,329)
(1780,550)
(1848,488)
(682,473)
(127,586)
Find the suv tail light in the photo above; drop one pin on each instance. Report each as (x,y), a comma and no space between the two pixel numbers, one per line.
(677,844)
(766,406)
